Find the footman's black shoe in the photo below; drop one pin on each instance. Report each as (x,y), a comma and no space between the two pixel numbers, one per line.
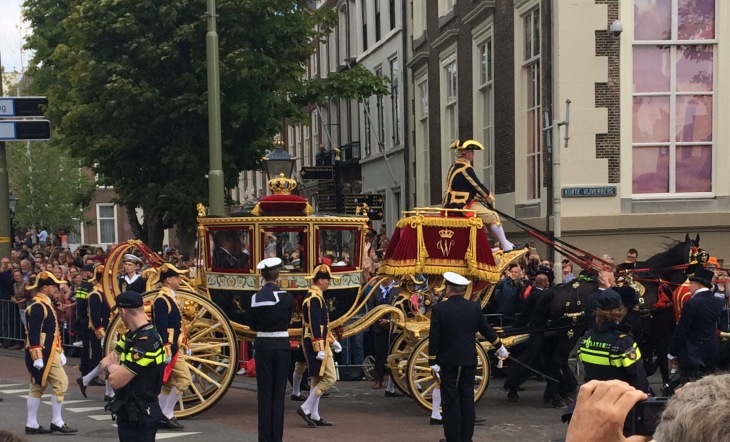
(82,387)
(310,422)
(299,398)
(39,430)
(65,429)
(323,423)
(107,398)
(393,394)
(436,421)
(169,424)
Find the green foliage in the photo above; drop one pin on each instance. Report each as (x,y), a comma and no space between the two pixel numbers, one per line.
(357,83)
(127,88)
(52,189)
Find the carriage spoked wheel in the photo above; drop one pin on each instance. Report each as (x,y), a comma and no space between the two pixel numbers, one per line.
(421,380)
(400,350)
(214,352)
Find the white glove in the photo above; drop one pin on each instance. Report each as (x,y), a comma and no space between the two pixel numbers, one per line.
(435,368)
(188,352)
(63,359)
(103,339)
(38,363)
(670,357)
(168,359)
(337,347)
(320,356)
(502,352)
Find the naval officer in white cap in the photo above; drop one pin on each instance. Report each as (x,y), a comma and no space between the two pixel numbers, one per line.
(271,311)
(453,357)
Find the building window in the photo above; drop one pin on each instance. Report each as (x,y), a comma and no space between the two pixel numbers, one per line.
(486,109)
(342,35)
(106,227)
(290,138)
(673,96)
(381,114)
(445,6)
(391,13)
(395,100)
(419,18)
(315,64)
(423,173)
(307,147)
(75,236)
(367,127)
(364,14)
(531,69)
(377,20)
(315,130)
(451,111)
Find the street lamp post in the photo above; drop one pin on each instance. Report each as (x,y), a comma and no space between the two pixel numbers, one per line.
(215,151)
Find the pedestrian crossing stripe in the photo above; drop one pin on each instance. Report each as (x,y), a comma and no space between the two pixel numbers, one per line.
(100,417)
(84,409)
(46,395)
(10,385)
(69,402)
(22,390)
(175,434)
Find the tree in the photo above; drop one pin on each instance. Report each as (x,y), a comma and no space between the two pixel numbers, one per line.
(127,89)
(52,189)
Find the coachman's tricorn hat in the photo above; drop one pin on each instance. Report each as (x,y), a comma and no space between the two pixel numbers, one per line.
(44,278)
(322,271)
(466,145)
(168,270)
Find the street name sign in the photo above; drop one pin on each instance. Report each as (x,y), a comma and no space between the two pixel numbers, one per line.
(369,199)
(22,106)
(582,192)
(317,173)
(28,130)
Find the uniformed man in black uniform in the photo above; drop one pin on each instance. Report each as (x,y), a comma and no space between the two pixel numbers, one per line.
(82,319)
(608,351)
(464,190)
(453,357)
(135,371)
(131,279)
(271,311)
(695,342)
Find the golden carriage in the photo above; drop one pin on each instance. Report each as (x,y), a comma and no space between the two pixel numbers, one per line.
(215,298)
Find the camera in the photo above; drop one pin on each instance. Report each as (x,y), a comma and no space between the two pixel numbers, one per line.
(645,415)
(616,28)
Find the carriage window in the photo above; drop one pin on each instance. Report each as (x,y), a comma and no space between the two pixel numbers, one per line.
(288,244)
(339,247)
(229,249)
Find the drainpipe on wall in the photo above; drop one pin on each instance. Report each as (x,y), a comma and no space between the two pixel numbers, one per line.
(406,114)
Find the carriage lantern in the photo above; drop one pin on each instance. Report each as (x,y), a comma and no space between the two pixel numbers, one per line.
(279,163)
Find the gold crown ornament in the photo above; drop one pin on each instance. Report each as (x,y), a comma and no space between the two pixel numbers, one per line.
(446,233)
(282,185)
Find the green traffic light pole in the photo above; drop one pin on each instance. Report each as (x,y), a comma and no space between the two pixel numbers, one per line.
(215,174)
(5,239)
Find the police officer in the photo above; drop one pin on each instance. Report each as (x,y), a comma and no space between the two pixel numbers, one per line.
(316,342)
(135,371)
(44,356)
(453,356)
(463,187)
(131,279)
(608,351)
(168,321)
(82,320)
(695,342)
(271,311)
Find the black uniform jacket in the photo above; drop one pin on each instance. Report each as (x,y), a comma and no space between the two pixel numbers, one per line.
(42,337)
(136,283)
(452,338)
(99,311)
(167,319)
(695,338)
(315,319)
(611,353)
(271,311)
(462,185)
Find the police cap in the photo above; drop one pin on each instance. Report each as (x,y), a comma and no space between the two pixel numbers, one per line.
(608,300)
(129,299)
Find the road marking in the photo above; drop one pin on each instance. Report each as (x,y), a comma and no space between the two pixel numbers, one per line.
(24,390)
(101,417)
(9,385)
(77,401)
(25,396)
(171,435)
(84,409)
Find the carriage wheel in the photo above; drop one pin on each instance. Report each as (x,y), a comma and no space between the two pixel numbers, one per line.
(214,357)
(421,381)
(400,350)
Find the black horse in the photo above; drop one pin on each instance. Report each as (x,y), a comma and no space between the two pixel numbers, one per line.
(564,309)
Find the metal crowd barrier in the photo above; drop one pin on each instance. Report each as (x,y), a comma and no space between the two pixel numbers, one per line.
(12,327)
